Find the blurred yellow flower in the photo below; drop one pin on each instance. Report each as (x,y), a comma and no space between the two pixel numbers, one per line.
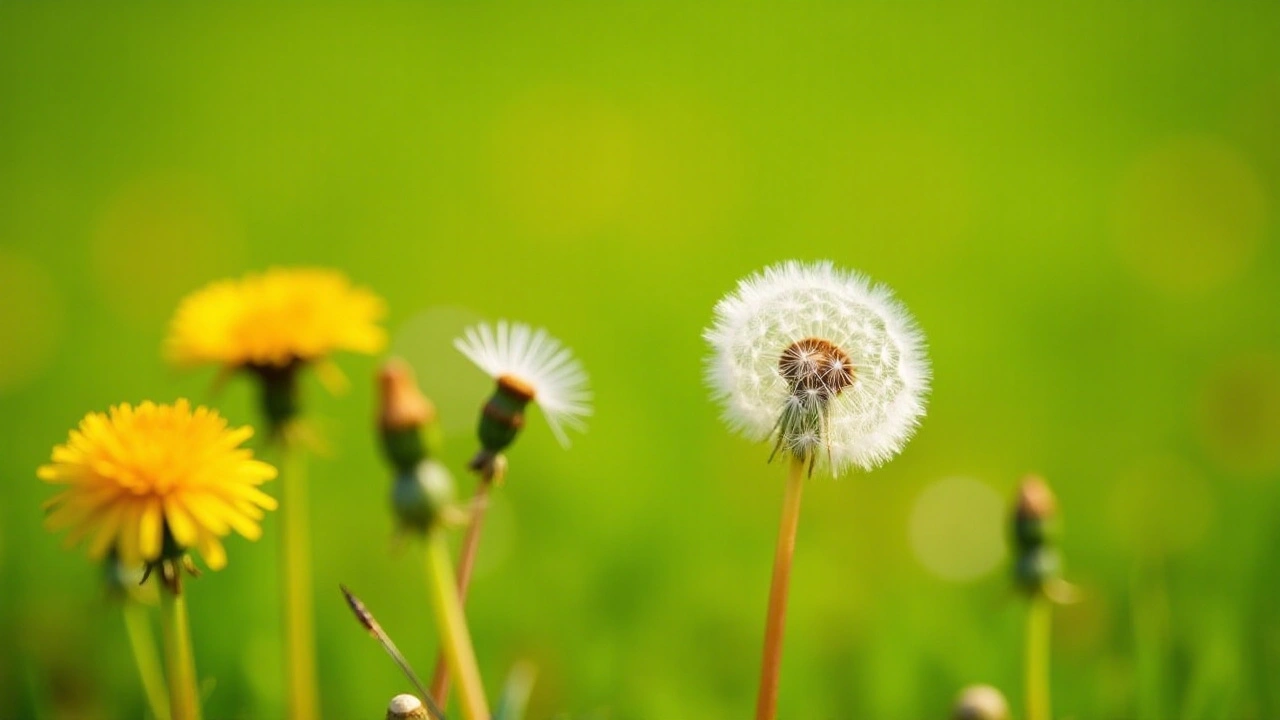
(274,319)
(155,480)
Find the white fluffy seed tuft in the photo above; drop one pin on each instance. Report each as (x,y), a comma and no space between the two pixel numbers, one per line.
(865,423)
(538,360)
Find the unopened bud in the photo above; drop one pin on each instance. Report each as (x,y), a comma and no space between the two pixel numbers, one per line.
(420,496)
(404,415)
(406,707)
(502,417)
(980,702)
(1035,514)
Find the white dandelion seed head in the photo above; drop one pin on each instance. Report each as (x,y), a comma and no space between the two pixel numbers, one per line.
(537,361)
(802,338)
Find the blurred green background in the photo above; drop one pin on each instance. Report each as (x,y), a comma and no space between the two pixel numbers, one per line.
(1078,204)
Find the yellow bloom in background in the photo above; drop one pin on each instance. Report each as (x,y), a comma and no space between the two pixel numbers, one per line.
(274,319)
(152,481)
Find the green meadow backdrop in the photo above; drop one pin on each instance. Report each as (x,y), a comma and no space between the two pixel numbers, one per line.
(1078,203)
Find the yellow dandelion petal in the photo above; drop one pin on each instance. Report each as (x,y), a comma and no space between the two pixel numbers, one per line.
(275,318)
(141,480)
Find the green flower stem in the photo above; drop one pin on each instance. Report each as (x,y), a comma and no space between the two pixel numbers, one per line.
(450,621)
(466,562)
(143,644)
(1039,629)
(767,699)
(300,651)
(179,664)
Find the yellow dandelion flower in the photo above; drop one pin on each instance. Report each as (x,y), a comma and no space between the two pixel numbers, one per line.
(275,319)
(151,481)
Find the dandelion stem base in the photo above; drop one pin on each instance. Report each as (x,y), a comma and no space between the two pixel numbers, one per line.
(767,699)
(1039,626)
(295,558)
(142,643)
(466,562)
(179,662)
(455,638)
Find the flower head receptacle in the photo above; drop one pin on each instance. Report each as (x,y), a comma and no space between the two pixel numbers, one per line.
(405,416)
(828,366)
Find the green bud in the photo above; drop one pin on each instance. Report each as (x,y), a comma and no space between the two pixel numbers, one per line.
(502,417)
(279,398)
(1035,567)
(420,495)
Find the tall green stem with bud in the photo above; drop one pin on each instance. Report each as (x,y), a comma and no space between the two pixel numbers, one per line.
(454,636)
(1036,661)
(775,621)
(299,613)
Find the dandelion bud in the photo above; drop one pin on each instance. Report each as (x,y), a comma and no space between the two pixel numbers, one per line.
(406,707)
(420,496)
(980,702)
(502,417)
(404,415)
(1036,558)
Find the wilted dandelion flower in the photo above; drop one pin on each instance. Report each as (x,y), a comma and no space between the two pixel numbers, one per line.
(152,481)
(529,365)
(829,365)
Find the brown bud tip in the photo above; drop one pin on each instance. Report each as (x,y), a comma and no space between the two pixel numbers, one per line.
(980,702)
(406,707)
(403,406)
(1035,499)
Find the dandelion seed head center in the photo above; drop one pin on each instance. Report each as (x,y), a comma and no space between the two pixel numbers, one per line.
(816,368)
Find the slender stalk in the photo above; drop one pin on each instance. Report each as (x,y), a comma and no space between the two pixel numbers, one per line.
(143,644)
(767,699)
(1039,628)
(466,562)
(179,664)
(452,624)
(295,558)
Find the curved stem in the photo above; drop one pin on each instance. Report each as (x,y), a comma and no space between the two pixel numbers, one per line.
(466,562)
(295,558)
(450,621)
(142,642)
(767,699)
(179,664)
(1039,628)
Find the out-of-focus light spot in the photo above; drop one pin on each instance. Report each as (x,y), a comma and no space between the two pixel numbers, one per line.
(562,161)
(1160,505)
(457,387)
(1239,414)
(31,320)
(957,528)
(159,238)
(1189,215)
